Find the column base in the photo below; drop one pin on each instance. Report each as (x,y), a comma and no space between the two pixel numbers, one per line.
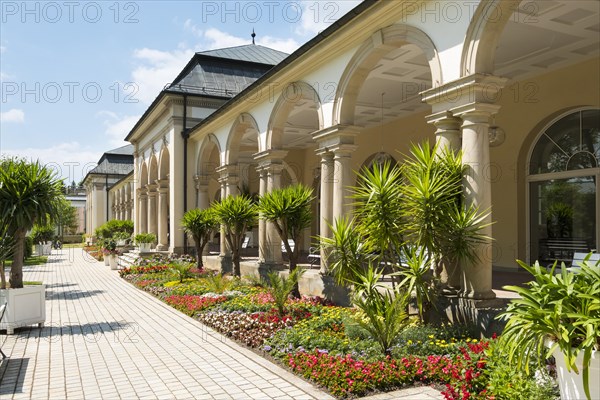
(162,247)
(476,295)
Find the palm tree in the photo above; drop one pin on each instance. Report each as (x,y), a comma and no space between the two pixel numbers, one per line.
(7,247)
(200,224)
(236,214)
(289,211)
(29,193)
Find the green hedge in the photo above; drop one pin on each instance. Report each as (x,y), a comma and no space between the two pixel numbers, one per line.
(109,228)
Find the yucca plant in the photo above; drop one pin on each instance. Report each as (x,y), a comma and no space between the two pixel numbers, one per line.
(415,278)
(289,211)
(29,194)
(562,309)
(236,214)
(200,225)
(182,270)
(280,288)
(7,247)
(348,253)
(218,283)
(382,311)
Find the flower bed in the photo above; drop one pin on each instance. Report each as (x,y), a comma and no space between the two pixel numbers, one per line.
(323,344)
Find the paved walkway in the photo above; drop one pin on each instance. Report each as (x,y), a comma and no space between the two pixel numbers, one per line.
(106,339)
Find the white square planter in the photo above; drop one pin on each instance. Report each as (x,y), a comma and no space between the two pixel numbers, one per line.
(145,247)
(571,384)
(25,306)
(113,261)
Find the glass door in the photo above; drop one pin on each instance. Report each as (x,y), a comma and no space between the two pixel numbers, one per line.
(563,218)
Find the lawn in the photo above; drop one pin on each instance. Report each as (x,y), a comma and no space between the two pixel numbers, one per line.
(73,246)
(33,260)
(324,343)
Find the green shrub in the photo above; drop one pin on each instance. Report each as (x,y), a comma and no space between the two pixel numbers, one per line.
(109,228)
(181,270)
(280,288)
(42,234)
(218,283)
(28,251)
(505,382)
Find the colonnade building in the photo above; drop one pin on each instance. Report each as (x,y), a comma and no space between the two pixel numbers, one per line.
(513,84)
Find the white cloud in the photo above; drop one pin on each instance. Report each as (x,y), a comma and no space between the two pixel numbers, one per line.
(71,160)
(117,126)
(318,15)
(13,115)
(218,39)
(189,26)
(155,69)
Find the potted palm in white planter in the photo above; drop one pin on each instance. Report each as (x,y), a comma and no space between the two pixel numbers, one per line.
(145,241)
(558,315)
(30,194)
(109,249)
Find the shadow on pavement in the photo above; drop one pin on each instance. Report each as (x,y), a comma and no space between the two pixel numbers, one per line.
(12,375)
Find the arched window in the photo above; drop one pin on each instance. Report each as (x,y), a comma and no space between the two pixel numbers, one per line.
(563,188)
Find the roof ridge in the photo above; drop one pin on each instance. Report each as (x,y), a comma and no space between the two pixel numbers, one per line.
(241,45)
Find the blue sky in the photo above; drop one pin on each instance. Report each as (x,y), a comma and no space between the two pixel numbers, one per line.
(76,76)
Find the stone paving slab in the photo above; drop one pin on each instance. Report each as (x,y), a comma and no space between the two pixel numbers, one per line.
(105,339)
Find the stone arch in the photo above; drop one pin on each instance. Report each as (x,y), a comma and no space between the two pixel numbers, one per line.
(163,165)
(209,144)
(487,24)
(152,170)
(143,174)
(367,56)
(243,124)
(289,98)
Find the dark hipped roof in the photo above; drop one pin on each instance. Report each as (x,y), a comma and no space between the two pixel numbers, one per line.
(225,72)
(124,150)
(117,161)
(249,52)
(220,73)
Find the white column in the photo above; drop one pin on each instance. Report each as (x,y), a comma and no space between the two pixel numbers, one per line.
(273,248)
(262,226)
(477,277)
(342,180)
(326,214)
(143,208)
(202,200)
(163,214)
(152,210)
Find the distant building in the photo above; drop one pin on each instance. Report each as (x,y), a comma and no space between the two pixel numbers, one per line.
(102,204)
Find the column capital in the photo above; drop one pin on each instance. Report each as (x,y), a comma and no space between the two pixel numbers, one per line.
(162,184)
(142,192)
(336,135)
(475,88)
(201,180)
(343,150)
(225,170)
(270,155)
(476,112)
(152,189)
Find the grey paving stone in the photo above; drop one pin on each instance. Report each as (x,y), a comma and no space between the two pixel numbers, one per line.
(106,339)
